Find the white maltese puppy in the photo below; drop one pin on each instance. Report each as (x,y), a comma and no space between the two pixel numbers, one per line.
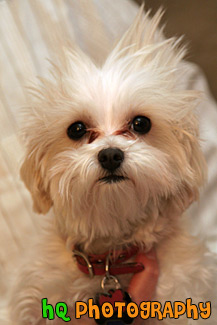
(113,150)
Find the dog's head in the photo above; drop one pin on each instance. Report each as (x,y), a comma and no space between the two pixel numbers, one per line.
(113,147)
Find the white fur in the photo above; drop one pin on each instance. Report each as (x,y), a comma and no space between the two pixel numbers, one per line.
(165,169)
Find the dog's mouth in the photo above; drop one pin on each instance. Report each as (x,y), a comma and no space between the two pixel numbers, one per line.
(112,179)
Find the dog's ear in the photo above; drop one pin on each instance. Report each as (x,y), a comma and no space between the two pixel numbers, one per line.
(194,176)
(197,165)
(32,177)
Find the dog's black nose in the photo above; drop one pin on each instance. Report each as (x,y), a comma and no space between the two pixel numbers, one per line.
(111,158)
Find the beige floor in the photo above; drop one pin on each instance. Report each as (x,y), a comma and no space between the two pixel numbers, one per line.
(197,20)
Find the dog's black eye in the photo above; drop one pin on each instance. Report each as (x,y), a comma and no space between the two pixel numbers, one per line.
(141,124)
(76,130)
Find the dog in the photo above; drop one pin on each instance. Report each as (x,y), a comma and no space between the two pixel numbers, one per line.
(113,155)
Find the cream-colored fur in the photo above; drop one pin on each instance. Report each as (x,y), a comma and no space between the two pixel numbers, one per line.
(165,168)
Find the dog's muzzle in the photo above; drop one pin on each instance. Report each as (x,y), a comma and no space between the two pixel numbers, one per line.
(111,158)
(112,179)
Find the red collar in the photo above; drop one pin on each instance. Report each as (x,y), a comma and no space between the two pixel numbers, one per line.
(94,264)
